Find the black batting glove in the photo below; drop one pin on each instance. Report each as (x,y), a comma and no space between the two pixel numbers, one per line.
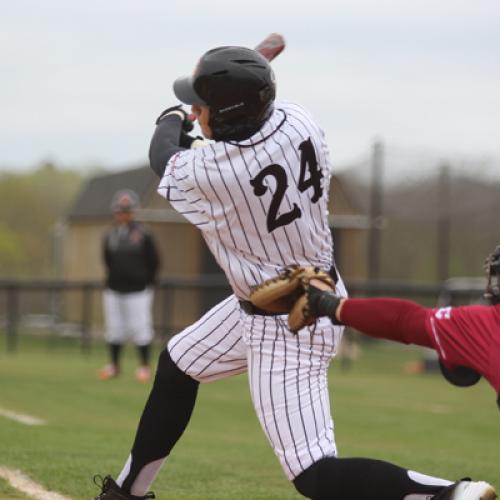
(187,123)
(322,303)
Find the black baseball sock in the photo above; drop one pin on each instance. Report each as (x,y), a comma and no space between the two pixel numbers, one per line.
(363,479)
(165,416)
(144,354)
(115,352)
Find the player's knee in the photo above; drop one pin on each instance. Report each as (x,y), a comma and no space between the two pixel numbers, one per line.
(305,483)
(168,372)
(319,481)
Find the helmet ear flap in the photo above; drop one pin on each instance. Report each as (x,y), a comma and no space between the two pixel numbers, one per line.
(267,94)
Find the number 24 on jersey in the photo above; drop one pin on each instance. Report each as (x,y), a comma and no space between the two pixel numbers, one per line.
(309,178)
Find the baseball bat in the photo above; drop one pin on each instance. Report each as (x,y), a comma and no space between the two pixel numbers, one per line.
(271,46)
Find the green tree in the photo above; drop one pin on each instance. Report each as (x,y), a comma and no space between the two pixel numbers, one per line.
(12,252)
(30,205)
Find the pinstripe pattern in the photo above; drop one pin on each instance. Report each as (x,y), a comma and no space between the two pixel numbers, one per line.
(229,191)
(287,377)
(212,348)
(211,187)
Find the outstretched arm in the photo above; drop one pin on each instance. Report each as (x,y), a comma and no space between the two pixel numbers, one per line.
(393,319)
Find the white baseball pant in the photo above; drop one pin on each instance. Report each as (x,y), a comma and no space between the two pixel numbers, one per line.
(287,375)
(128,315)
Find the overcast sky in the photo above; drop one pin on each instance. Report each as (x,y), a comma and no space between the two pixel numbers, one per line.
(82,81)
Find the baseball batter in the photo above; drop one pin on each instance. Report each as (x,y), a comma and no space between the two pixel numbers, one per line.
(258,193)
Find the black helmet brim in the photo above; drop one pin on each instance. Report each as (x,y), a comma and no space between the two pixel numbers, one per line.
(184,91)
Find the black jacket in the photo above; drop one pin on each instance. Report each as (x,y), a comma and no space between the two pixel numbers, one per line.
(130,257)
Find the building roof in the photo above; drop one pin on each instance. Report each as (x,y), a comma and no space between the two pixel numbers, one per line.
(94,200)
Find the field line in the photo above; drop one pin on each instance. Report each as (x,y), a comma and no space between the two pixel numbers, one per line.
(22,419)
(23,483)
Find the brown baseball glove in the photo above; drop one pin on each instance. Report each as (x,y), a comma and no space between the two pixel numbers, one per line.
(286,293)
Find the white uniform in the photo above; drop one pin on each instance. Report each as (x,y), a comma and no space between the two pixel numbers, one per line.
(261,204)
(129,315)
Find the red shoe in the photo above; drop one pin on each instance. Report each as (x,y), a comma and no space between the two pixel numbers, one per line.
(108,372)
(143,374)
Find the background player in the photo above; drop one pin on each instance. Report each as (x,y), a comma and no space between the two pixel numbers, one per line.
(466,339)
(131,262)
(259,196)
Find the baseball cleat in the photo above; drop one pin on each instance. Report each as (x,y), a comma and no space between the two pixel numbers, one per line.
(111,491)
(143,374)
(470,490)
(109,371)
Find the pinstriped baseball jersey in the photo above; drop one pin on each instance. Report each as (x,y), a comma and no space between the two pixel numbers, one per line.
(261,203)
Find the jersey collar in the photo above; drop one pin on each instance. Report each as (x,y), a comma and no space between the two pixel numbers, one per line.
(271,126)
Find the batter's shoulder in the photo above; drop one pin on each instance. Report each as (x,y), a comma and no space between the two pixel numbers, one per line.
(291,107)
(298,113)
(191,157)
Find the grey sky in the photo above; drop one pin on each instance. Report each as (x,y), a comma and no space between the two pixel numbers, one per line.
(82,81)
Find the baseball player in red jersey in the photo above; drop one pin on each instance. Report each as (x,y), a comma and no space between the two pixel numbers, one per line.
(467,338)
(259,194)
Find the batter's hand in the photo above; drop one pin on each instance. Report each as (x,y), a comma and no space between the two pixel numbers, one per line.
(187,118)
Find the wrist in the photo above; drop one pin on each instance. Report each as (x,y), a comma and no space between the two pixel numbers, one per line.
(175,112)
(180,114)
(338,311)
(322,303)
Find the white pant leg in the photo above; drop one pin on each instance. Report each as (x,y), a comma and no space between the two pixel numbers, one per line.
(138,315)
(288,383)
(115,325)
(211,348)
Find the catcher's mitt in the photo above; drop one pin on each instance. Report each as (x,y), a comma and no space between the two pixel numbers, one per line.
(286,293)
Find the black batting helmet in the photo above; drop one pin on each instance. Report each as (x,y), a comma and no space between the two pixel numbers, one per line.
(238,86)
(492,268)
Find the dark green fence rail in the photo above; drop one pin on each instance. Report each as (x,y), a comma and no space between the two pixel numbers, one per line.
(213,287)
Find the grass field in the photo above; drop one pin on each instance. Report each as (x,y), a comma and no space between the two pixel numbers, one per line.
(415,420)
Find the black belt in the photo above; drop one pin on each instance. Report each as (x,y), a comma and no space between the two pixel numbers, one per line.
(249,308)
